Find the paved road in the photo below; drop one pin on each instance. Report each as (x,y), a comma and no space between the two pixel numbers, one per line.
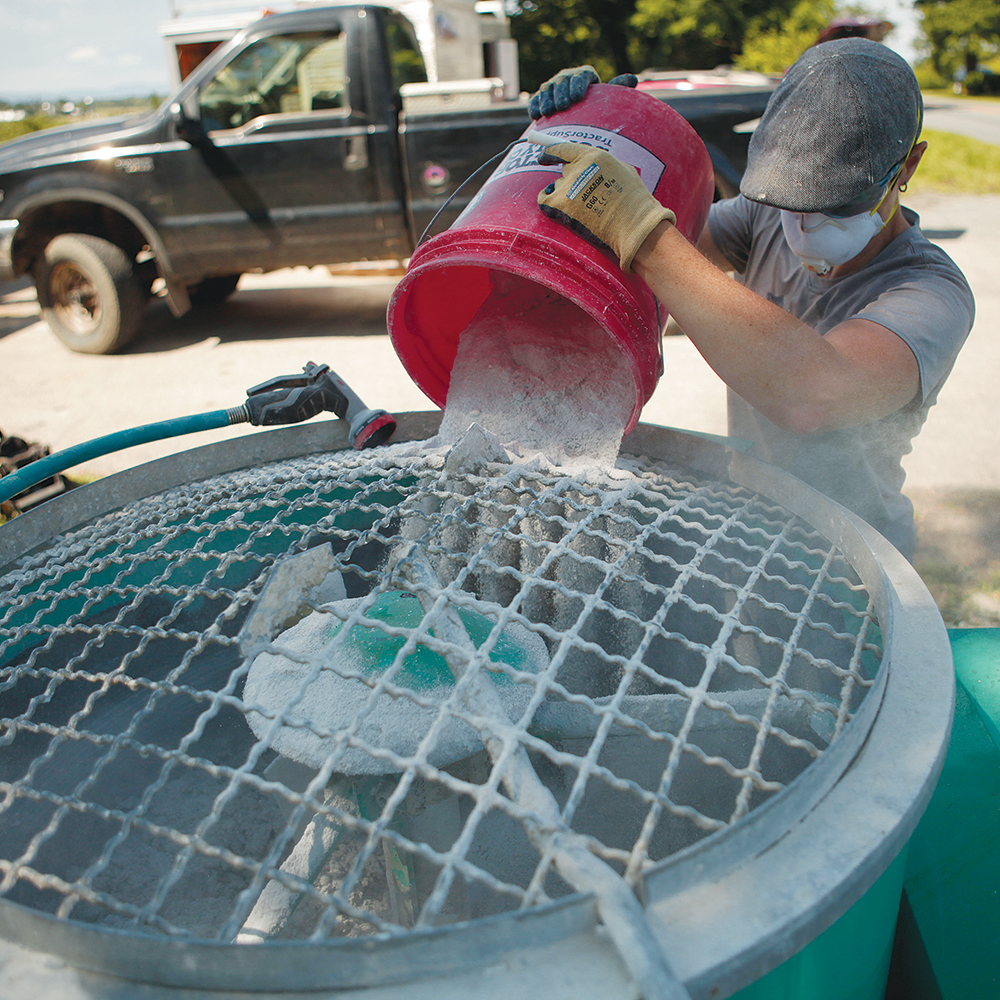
(276,323)
(977,120)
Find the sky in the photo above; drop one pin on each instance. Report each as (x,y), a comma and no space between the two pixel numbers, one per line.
(79,48)
(112,48)
(903,38)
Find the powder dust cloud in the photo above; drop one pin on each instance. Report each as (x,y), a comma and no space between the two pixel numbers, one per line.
(540,374)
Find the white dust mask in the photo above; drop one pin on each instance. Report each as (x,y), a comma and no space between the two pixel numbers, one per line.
(822,242)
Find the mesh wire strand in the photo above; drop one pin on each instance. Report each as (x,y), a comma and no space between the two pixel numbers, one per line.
(702,648)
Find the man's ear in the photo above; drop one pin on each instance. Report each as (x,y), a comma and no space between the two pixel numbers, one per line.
(912,162)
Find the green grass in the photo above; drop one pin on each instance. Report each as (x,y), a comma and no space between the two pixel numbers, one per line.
(948,94)
(99,109)
(949,586)
(958,553)
(955,164)
(33,123)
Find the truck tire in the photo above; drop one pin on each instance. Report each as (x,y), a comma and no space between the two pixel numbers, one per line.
(212,291)
(89,294)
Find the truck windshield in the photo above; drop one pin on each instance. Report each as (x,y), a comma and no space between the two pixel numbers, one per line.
(282,74)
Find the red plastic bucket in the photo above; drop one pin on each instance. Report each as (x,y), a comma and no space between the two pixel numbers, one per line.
(502,232)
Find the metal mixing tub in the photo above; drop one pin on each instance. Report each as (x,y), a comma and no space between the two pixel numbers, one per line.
(745,709)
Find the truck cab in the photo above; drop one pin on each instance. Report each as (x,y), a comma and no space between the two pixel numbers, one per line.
(283,147)
(323,135)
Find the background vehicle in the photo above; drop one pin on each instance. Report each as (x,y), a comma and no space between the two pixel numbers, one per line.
(318,136)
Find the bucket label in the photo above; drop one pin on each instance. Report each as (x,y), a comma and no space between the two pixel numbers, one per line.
(524,156)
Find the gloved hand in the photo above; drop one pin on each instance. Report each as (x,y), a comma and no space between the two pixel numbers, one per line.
(569,87)
(601,199)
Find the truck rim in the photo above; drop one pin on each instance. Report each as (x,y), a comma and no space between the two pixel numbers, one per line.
(75,299)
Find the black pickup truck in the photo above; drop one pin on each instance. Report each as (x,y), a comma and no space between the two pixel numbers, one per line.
(290,145)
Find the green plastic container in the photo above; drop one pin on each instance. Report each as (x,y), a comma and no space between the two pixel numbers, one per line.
(948,944)
(849,960)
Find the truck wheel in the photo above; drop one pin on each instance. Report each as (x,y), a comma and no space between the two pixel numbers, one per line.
(88,293)
(212,291)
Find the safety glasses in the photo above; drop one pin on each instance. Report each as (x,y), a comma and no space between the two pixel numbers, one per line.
(873,195)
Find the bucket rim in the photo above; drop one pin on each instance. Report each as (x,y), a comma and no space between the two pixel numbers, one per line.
(627,303)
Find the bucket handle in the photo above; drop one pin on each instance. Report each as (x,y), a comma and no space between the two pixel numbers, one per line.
(475,173)
(536,138)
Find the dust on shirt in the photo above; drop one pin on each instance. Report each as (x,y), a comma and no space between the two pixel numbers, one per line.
(912,288)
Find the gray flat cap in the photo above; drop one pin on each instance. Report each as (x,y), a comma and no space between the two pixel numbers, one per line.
(845,113)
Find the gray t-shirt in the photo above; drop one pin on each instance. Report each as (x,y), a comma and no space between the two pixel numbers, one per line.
(914,289)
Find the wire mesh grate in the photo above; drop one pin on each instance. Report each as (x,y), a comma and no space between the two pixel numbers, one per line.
(366,694)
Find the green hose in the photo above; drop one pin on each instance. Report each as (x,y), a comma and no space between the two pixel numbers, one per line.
(286,399)
(44,468)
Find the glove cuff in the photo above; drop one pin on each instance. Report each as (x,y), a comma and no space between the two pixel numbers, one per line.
(630,246)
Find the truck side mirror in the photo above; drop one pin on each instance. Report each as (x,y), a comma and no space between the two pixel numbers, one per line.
(189,129)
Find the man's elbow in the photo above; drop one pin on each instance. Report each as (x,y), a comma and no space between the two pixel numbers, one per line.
(835,412)
(803,419)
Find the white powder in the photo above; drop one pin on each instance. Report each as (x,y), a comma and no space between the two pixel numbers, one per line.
(542,376)
(535,381)
(27,975)
(315,704)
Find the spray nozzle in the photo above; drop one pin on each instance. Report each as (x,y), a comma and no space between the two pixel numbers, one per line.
(289,399)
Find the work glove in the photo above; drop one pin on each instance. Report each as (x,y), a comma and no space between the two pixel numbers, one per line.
(569,87)
(601,199)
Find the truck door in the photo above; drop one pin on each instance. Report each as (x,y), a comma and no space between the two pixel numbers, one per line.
(281,176)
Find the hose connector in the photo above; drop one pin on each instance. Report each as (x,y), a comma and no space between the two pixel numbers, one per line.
(289,399)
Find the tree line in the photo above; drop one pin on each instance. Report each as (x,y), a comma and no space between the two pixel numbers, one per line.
(964,36)
(629,36)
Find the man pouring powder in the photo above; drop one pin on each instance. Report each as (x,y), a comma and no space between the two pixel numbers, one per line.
(844,320)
